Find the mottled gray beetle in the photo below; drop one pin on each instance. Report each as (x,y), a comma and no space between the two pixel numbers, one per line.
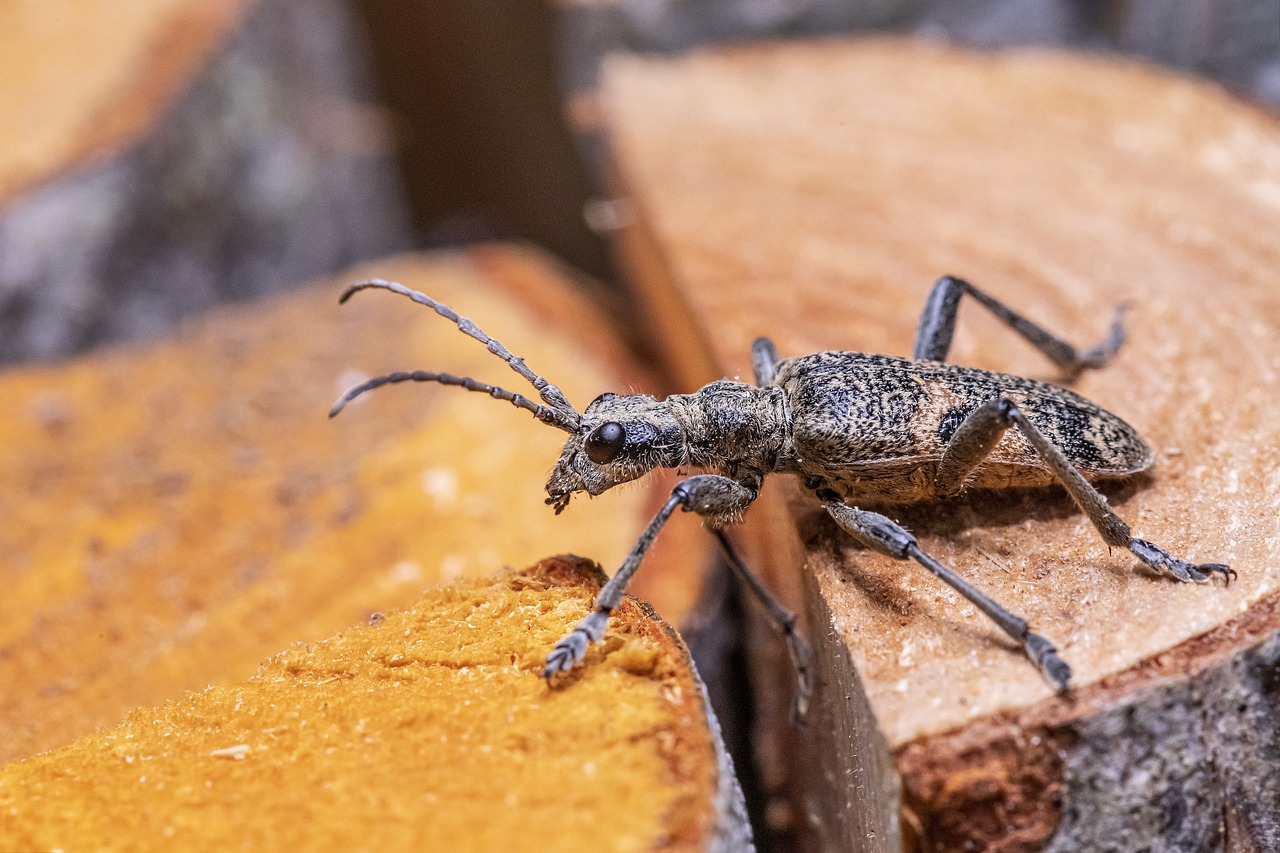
(853,427)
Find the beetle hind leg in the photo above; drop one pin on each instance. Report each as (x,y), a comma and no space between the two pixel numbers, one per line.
(938,324)
(981,431)
(1167,564)
(884,535)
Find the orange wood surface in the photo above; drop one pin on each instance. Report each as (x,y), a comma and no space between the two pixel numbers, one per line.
(429,730)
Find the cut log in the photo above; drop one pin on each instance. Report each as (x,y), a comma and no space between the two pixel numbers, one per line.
(202,152)
(812,193)
(429,729)
(175,512)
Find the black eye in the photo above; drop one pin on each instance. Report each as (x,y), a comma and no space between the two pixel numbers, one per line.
(605,443)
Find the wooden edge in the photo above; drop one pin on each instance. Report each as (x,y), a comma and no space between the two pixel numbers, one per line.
(853,792)
(171,66)
(731,832)
(429,725)
(1000,782)
(193,98)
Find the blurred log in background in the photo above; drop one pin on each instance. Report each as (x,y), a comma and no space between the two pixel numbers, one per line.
(215,151)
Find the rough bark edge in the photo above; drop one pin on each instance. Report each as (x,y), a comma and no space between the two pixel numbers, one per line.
(1057,775)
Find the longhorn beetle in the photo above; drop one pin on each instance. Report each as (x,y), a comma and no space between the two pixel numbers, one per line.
(854,427)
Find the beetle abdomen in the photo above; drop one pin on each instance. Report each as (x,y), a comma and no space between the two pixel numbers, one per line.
(884,422)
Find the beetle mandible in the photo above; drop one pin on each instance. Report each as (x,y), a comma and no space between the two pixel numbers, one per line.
(854,427)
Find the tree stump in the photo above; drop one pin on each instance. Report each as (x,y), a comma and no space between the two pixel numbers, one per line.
(176,511)
(160,156)
(429,729)
(812,193)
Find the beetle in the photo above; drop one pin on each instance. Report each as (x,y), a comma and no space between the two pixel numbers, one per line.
(855,428)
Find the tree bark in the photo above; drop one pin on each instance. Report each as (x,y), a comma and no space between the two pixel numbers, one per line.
(812,193)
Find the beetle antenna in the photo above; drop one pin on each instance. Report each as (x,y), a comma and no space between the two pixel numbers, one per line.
(546,414)
(550,394)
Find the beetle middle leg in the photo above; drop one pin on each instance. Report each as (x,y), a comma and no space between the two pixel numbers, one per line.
(981,431)
(938,324)
(785,621)
(882,534)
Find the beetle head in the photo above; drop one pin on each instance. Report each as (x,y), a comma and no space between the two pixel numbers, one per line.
(620,437)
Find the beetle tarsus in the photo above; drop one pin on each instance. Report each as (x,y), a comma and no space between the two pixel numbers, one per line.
(1167,564)
(573,647)
(1044,654)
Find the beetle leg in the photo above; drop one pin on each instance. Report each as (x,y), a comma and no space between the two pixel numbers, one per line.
(979,433)
(973,440)
(882,534)
(717,499)
(764,361)
(785,621)
(938,324)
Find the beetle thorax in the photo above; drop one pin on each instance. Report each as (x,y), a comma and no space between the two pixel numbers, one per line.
(733,428)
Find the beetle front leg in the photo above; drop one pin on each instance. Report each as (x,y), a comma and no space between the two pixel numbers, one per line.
(717,499)
(938,324)
(882,534)
(981,431)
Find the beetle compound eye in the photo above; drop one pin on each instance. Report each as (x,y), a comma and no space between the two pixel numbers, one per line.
(605,443)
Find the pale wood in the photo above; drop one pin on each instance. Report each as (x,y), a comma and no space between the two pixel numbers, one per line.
(429,729)
(159,156)
(174,512)
(813,193)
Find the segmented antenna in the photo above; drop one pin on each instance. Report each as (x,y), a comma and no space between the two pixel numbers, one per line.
(543,413)
(558,412)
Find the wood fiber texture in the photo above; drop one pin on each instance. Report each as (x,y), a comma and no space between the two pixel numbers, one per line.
(813,192)
(429,729)
(175,512)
